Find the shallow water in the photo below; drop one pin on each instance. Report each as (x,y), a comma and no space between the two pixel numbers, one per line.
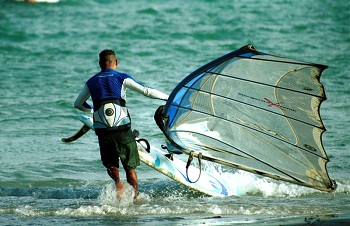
(48,51)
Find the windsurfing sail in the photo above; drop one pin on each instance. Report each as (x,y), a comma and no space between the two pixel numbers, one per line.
(252,111)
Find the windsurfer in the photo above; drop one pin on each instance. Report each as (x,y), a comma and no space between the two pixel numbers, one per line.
(112,123)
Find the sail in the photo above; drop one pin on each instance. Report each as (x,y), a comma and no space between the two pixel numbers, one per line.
(253,111)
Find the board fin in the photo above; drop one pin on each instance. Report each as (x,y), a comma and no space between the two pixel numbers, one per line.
(84,129)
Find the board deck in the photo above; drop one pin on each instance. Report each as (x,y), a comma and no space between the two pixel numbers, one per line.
(175,169)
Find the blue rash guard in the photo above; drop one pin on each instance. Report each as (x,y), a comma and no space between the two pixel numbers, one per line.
(108,93)
(108,84)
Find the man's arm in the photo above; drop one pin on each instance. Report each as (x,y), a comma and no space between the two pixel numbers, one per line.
(80,102)
(146,91)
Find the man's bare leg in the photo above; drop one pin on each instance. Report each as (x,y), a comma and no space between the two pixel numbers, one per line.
(113,172)
(131,177)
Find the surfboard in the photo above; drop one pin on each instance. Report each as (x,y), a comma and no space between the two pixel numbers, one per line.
(173,168)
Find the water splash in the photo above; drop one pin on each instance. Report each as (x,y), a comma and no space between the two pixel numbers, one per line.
(244,183)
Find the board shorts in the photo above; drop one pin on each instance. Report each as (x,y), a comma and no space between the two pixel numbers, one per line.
(115,145)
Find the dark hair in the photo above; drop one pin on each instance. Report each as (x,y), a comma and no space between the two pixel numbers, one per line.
(106,58)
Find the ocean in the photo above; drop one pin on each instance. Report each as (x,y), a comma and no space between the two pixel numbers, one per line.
(49,50)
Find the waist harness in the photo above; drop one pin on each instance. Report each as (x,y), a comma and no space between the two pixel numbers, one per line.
(112,115)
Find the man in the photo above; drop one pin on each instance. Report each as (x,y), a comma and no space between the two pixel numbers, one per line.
(112,122)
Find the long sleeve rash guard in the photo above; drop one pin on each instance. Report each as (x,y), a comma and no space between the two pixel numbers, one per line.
(112,84)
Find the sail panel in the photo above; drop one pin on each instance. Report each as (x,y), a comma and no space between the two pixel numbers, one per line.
(256,112)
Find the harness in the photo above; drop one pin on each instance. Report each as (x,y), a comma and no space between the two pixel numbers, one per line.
(112,115)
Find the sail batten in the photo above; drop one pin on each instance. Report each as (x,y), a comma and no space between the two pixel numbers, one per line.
(253,111)
(245,103)
(266,133)
(265,84)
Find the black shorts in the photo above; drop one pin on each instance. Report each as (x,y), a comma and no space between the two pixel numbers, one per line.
(119,145)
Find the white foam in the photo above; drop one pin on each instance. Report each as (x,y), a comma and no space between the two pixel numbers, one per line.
(28,211)
(245,183)
(107,203)
(108,196)
(242,183)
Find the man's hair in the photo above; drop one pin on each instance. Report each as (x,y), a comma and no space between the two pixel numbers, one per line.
(107,56)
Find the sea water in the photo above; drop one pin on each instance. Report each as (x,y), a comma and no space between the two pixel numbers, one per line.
(49,50)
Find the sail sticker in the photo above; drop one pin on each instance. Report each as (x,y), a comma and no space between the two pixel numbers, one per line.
(271,104)
(266,100)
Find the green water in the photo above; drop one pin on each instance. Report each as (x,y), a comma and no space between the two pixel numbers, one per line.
(48,51)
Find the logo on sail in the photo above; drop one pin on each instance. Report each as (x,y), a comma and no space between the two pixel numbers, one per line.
(271,104)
